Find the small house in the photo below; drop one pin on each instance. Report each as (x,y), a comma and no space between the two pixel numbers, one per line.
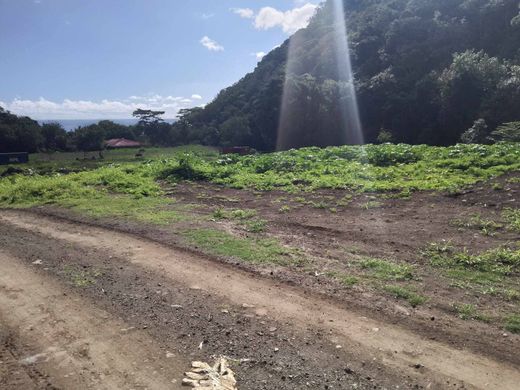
(120,143)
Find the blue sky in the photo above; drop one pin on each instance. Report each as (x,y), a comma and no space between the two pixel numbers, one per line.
(85,59)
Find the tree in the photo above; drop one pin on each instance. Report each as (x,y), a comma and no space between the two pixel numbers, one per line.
(18,133)
(153,127)
(89,138)
(115,130)
(148,117)
(476,133)
(385,136)
(425,69)
(54,137)
(509,132)
(235,131)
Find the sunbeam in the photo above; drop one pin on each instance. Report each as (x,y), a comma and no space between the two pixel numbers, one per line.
(304,98)
(350,121)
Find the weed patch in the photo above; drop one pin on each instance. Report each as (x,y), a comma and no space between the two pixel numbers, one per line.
(401,292)
(512,218)
(469,312)
(245,218)
(499,261)
(81,278)
(512,323)
(371,205)
(486,227)
(252,250)
(157,211)
(386,270)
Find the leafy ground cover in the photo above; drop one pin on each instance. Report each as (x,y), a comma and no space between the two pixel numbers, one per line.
(373,168)
(398,168)
(406,293)
(492,272)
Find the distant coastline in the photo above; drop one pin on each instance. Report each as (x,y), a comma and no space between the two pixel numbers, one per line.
(71,124)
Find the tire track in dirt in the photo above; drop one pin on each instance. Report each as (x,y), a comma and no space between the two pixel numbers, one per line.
(394,347)
(78,345)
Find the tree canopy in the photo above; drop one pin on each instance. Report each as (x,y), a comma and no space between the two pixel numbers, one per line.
(424,70)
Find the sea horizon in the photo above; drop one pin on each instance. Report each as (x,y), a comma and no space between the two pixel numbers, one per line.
(72,124)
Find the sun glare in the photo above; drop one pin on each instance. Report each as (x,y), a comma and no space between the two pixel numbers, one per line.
(347,128)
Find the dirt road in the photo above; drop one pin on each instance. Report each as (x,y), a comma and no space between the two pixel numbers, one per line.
(77,287)
(78,345)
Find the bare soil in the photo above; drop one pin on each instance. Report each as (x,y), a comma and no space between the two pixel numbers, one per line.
(143,303)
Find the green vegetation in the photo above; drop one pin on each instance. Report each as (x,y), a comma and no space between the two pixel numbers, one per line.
(469,312)
(245,218)
(255,225)
(128,190)
(372,205)
(512,217)
(486,227)
(81,278)
(425,72)
(511,294)
(507,132)
(499,261)
(258,251)
(284,209)
(135,184)
(372,168)
(243,214)
(489,272)
(159,211)
(512,323)
(387,270)
(401,292)
(345,279)
(349,280)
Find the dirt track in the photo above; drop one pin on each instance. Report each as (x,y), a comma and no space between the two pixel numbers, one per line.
(77,344)
(291,339)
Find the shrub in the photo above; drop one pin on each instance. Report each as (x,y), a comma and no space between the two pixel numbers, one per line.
(188,168)
(385,136)
(476,133)
(509,132)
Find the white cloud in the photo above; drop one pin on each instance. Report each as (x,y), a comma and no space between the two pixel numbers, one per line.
(87,109)
(207,16)
(290,21)
(246,13)
(259,55)
(269,17)
(210,44)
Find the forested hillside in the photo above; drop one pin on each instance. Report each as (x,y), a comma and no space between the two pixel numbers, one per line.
(424,70)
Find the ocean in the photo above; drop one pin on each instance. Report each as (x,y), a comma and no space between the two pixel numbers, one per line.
(71,124)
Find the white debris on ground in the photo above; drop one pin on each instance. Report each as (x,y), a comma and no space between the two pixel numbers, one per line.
(205,377)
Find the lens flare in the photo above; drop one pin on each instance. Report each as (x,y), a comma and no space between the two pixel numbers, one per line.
(303,99)
(351,121)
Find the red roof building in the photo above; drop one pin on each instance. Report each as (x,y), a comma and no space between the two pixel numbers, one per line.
(118,143)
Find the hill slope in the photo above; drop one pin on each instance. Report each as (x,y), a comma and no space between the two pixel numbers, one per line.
(424,70)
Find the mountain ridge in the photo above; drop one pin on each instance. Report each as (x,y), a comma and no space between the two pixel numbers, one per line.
(423,70)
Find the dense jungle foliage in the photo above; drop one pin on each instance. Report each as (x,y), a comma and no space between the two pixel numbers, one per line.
(424,70)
